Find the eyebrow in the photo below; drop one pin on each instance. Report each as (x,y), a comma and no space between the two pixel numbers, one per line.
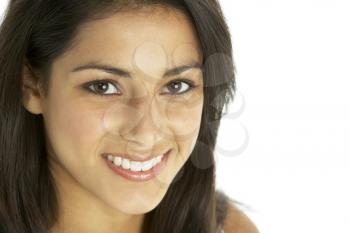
(123,73)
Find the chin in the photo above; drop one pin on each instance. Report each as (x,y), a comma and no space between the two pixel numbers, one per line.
(137,206)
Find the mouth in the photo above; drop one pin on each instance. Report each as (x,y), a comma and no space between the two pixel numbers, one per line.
(136,170)
(133,157)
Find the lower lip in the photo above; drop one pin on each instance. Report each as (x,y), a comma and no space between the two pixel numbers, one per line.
(139,175)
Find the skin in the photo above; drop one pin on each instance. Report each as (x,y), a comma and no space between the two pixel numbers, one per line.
(143,119)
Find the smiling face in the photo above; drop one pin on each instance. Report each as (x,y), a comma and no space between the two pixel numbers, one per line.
(141,105)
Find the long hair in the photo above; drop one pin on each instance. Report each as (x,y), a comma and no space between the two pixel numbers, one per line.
(36,32)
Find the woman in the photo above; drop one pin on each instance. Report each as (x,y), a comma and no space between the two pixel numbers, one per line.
(109,117)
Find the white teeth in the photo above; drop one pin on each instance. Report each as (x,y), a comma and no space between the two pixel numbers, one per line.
(159,158)
(126,164)
(117,161)
(147,165)
(134,165)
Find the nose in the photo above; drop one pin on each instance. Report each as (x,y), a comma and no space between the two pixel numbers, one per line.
(146,131)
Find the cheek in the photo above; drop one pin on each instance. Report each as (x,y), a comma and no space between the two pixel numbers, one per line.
(185,117)
(185,120)
(73,128)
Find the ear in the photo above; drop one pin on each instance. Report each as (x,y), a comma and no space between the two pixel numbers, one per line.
(32,98)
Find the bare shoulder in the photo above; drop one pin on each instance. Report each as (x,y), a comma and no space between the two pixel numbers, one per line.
(236,221)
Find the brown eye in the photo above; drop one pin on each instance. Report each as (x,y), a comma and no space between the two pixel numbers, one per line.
(178,87)
(102,88)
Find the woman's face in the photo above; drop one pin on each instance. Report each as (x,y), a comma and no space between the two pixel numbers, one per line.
(143,112)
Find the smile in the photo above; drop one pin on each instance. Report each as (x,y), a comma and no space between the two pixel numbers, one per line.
(135,165)
(136,170)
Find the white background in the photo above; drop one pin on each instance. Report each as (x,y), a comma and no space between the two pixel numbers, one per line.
(292,110)
(293,60)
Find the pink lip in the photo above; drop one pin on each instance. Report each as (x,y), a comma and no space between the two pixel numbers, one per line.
(140,175)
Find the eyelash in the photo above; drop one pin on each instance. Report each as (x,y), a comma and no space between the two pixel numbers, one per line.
(106,81)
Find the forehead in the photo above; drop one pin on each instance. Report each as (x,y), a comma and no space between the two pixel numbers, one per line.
(148,33)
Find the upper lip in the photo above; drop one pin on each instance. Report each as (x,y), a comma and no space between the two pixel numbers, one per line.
(135,157)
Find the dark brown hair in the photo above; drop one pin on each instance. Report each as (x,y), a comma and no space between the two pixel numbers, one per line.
(36,32)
